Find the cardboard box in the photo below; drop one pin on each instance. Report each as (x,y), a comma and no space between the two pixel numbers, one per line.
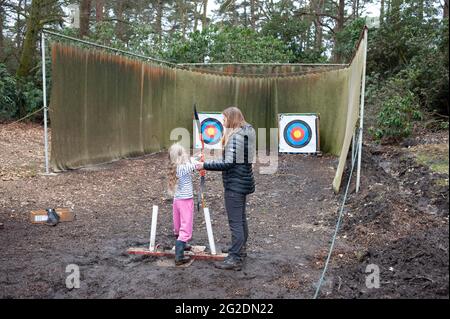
(41,217)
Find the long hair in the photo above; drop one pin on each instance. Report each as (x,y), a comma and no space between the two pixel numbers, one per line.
(177,156)
(235,121)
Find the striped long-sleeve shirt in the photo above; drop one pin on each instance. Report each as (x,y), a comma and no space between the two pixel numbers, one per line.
(184,186)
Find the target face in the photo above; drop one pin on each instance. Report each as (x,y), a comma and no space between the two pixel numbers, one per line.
(211,129)
(299,133)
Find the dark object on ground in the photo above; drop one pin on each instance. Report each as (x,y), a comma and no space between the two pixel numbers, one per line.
(229,264)
(53,217)
(41,216)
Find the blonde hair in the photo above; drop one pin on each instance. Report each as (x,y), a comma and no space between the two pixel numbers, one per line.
(235,121)
(177,156)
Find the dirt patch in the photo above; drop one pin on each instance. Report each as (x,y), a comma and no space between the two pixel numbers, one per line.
(398,222)
(22,151)
(411,267)
(113,205)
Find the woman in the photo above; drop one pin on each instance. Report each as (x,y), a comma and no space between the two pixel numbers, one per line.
(236,165)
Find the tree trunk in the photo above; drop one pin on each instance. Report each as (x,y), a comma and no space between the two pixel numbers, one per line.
(235,14)
(197,15)
(420,9)
(246,19)
(388,11)
(318,6)
(339,27)
(159,14)
(85,14)
(446,9)
(27,58)
(183,17)
(99,10)
(382,11)
(2,40)
(253,14)
(395,10)
(19,26)
(118,11)
(205,14)
(354,9)
(341,16)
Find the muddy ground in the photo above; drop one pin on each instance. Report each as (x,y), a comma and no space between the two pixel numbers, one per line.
(399,222)
(394,222)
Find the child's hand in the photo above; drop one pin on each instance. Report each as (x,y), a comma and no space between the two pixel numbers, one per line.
(195,161)
(197,156)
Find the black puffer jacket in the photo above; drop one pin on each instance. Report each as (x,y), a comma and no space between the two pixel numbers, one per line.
(236,164)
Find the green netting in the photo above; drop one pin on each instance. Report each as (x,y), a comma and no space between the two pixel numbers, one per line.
(106,107)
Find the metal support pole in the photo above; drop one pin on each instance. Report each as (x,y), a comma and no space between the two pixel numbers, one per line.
(44,92)
(354,147)
(361,119)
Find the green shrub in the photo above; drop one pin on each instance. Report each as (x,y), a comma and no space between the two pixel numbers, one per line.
(398,112)
(8,98)
(228,44)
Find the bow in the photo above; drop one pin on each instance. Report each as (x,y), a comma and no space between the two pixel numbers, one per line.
(201,196)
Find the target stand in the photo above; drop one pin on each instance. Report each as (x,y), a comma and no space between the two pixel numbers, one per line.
(299,134)
(196,253)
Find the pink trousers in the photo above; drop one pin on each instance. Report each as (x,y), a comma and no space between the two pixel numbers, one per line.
(183,218)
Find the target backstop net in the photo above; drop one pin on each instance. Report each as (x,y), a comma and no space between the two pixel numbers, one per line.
(106,107)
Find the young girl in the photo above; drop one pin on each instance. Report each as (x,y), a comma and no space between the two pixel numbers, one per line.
(180,186)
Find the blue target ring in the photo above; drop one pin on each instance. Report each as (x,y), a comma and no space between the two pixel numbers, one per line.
(212,131)
(297,134)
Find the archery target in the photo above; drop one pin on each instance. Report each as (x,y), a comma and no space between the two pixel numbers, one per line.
(212,130)
(299,133)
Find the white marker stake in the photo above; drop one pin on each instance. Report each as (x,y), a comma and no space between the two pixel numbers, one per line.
(212,245)
(153,229)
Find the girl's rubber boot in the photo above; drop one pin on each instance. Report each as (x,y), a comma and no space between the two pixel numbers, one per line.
(187,247)
(180,258)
